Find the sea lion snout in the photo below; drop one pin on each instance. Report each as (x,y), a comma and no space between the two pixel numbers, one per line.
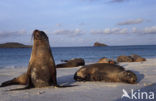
(78,78)
(130,77)
(80,75)
(39,35)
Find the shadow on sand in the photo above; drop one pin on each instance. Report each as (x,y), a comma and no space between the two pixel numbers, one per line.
(145,97)
(66,80)
(139,76)
(147,89)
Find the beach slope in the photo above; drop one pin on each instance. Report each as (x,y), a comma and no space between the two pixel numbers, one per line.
(83,91)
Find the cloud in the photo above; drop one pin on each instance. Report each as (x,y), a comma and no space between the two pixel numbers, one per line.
(73,32)
(130,22)
(111,31)
(12,33)
(150,30)
(134,29)
(146,30)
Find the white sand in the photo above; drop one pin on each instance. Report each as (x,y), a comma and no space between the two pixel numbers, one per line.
(84,91)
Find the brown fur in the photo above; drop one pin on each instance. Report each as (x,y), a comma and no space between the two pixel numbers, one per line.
(20,80)
(41,69)
(71,63)
(105,72)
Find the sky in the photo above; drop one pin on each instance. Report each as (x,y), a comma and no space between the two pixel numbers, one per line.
(79,22)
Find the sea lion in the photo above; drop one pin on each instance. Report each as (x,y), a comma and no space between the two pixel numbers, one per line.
(105,72)
(137,58)
(125,59)
(71,63)
(41,70)
(132,58)
(21,80)
(107,60)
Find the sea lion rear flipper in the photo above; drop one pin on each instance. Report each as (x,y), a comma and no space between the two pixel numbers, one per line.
(20,80)
(28,86)
(9,82)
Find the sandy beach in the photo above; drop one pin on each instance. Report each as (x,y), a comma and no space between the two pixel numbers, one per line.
(82,91)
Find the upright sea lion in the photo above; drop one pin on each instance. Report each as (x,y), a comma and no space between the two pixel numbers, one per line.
(41,69)
(21,80)
(105,72)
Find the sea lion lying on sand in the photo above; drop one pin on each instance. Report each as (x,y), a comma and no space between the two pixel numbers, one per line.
(105,72)
(71,63)
(41,69)
(107,60)
(132,58)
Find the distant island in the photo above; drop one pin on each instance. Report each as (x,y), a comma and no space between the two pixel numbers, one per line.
(14,45)
(98,44)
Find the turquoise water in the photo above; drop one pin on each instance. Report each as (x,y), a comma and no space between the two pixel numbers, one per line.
(19,57)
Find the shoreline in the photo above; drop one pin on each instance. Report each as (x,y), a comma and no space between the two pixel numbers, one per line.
(30,46)
(25,66)
(85,91)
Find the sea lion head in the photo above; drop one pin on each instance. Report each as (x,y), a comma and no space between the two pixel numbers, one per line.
(40,39)
(39,35)
(80,75)
(129,77)
(41,46)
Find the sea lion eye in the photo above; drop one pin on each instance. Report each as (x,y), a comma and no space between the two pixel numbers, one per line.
(128,74)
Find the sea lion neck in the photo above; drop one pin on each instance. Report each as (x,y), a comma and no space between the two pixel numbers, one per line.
(40,49)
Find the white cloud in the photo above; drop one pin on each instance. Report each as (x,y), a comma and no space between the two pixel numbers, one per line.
(134,29)
(107,30)
(130,22)
(124,31)
(111,31)
(115,30)
(11,33)
(150,30)
(73,32)
(146,30)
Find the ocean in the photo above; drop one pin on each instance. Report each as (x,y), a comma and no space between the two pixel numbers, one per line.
(19,57)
